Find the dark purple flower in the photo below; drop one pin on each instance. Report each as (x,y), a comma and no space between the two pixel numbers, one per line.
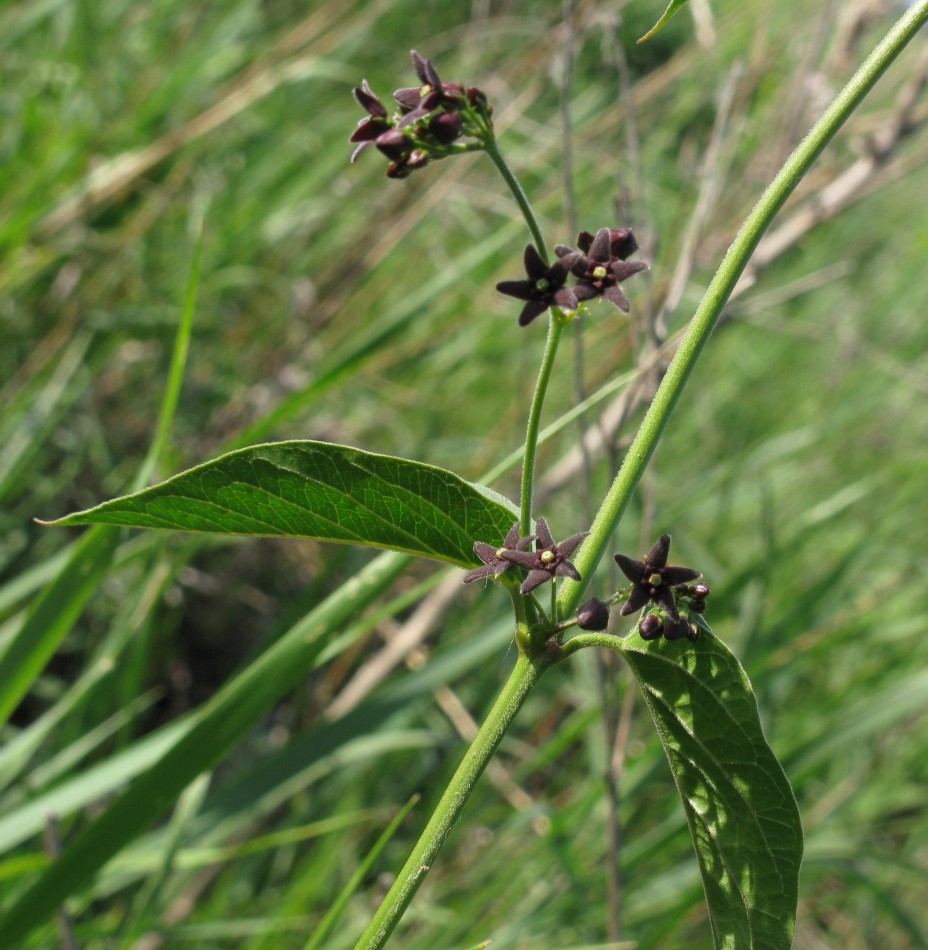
(593,615)
(549,559)
(544,286)
(653,579)
(602,267)
(493,562)
(376,123)
(416,102)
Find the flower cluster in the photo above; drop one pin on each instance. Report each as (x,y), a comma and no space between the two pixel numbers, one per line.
(598,264)
(667,589)
(430,120)
(547,561)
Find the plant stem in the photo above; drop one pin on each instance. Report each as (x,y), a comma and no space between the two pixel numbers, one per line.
(496,156)
(718,292)
(523,677)
(555,328)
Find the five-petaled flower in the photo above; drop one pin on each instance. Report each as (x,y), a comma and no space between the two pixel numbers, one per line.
(653,579)
(549,559)
(544,286)
(493,562)
(602,267)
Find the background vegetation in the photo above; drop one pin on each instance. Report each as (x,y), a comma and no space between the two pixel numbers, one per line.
(336,305)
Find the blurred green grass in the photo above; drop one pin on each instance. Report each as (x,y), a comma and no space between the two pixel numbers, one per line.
(337,305)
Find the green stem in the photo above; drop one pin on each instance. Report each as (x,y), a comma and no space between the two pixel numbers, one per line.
(523,677)
(584,640)
(555,328)
(492,149)
(720,289)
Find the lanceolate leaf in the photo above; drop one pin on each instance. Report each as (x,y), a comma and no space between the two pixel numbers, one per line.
(672,8)
(322,491)
(741,810)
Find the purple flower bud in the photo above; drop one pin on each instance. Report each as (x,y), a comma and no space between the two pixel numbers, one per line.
(593,615)
(650,627)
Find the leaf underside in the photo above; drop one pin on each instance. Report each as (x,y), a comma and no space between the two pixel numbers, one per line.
(740,807)
(318,490)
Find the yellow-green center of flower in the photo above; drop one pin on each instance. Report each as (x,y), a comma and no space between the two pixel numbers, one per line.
(655,580)
(600,272)
(547,557)
(542,285)
(499,553)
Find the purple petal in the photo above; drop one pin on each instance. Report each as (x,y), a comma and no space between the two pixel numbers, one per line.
(631,568)
(601,249)
(636,600)
(535,579)
(520,289)
(566,548)
(522,558)
(512,538)
(544,535)
(408,97)
(368,101)
(418,63)
(585,291)
(532,309)
(566,299)
(663,595)
(622,270)
(486,552)
(657,557)
(566,569)
(477,574)
(614,295)
(679,575)
(535,266)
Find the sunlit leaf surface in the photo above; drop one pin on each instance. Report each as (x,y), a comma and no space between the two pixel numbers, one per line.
(322,491)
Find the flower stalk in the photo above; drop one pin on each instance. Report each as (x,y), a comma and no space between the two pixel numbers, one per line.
(720,289)
(523,677)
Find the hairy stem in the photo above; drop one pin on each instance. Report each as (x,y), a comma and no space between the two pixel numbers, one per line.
(523,677)
(719,290)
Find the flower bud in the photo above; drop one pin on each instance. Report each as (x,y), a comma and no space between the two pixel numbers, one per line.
(650,627)
(393,143)
(676,629)
(445,127)
(593,615)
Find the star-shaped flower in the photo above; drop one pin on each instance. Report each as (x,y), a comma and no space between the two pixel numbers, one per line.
(653,579)
(604,268)
(493,562)
(544,286)
(549,559)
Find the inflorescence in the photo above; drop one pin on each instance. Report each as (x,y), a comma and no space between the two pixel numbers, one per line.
(428,124)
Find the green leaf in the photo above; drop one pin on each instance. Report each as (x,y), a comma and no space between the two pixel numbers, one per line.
(672,8)
(322,491)
(739,804)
